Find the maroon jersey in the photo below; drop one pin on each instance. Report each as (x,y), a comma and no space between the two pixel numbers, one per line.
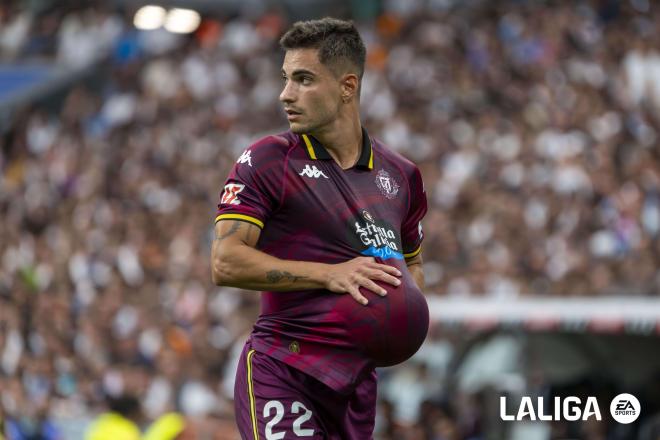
(310,209)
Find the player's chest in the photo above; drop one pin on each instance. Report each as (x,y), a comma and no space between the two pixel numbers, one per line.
(328,196)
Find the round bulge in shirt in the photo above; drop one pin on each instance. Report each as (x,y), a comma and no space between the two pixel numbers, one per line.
(389,329)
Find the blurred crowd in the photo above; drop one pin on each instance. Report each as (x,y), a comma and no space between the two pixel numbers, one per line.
(535,125)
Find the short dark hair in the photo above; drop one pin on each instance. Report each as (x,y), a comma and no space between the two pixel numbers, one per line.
(337,41)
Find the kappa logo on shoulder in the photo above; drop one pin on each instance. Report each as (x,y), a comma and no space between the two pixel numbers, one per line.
(245,157)
(312,171)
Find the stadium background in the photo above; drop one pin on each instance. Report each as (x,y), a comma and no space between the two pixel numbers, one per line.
(535,125)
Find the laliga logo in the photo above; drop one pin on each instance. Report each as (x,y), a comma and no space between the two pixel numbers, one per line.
(566,409)
(625,408)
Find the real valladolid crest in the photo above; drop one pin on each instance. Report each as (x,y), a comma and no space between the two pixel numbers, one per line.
(568,408)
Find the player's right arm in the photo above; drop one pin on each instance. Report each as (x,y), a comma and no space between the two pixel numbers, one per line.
(237,263)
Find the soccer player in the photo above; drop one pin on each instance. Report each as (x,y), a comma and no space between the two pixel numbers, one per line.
(325,221)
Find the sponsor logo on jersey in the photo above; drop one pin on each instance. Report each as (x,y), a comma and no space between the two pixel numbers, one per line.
(230,195)
(387,185)
(312,171)
(381,240)
(245,157)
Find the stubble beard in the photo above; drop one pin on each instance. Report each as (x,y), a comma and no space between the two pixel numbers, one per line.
(314,126)
(297,128)
(302,128)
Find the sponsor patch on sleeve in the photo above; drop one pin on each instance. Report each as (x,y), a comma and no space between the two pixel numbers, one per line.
(230,195)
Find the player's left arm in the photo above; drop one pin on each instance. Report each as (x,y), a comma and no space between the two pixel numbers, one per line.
(416,270)
(411,228)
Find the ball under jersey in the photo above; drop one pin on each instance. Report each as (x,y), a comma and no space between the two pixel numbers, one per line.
(310,209)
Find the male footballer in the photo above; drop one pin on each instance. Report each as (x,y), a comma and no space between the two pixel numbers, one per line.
(325,221)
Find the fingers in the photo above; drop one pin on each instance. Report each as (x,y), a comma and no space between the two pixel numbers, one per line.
(387,269)
(351,289)
(381,272)
(355,293)
(375,288)
(354,290)
(382,276)
(362,272)
(371,263)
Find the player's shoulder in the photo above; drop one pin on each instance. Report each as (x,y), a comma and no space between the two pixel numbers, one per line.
(394,158)
(273,145)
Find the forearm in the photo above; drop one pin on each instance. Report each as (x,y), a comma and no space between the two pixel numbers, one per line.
(237,262)
(248,268)
(417,273)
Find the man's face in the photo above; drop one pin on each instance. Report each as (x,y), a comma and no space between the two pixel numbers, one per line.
(312,94)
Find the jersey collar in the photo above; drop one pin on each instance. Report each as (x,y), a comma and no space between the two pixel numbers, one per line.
(316,150)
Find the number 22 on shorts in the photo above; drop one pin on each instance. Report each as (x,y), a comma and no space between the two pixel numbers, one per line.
(278,408)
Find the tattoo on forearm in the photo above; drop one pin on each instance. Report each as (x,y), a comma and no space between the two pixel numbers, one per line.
(250,231)
(234,228)
(275,276)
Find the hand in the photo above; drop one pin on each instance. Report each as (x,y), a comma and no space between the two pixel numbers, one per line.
(359,272)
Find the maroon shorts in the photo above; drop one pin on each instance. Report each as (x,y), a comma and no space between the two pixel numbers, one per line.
(274,401)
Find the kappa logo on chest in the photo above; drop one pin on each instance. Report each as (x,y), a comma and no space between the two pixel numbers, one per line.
(313,172)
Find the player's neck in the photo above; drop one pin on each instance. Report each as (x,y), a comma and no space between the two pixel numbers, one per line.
(343,140)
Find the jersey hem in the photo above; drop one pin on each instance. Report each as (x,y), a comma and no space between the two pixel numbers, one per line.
(341,386)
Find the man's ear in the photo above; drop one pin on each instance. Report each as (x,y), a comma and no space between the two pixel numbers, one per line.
(350,84)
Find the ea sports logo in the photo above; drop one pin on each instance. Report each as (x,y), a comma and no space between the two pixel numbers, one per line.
(625,408)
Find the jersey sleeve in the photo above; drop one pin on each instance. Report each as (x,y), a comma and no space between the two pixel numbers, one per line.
(254,185)
(411,230)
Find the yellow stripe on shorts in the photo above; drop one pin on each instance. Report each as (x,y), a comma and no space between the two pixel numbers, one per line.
(253,405)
